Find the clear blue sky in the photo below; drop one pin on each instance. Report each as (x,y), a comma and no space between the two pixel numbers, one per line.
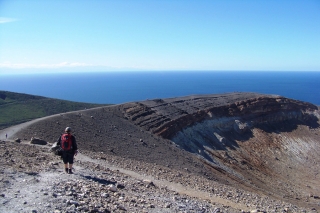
(97,35)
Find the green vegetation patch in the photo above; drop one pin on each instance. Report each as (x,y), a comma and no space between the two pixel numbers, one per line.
(18,112)
(17,108)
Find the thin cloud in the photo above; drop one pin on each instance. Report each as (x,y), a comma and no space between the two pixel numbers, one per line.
(49,66)
(82,66)
(9,65)
(4,20)
(73,64)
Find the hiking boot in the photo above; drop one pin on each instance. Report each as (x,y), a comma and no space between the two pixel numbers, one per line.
(67,170)
(70,171)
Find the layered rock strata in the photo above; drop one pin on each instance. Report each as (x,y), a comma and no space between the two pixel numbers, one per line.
(241,135)
(238,111)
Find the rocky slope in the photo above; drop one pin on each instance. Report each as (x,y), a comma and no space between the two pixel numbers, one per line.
(251,138)
(265,146)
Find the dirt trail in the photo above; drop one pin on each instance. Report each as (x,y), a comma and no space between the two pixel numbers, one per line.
(177,187)
(11,131)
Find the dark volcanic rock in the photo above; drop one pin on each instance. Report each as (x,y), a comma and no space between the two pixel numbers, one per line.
(18,140)
(263,143)
(166,117)
(38,141)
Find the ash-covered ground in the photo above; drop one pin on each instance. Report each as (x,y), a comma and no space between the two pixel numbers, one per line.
(124,167)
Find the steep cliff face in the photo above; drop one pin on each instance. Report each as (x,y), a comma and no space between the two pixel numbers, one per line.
(251,138)
(240,111)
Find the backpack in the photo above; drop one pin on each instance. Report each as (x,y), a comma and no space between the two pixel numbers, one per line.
(66,142)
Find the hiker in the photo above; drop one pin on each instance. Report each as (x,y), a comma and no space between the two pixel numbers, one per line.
(6,135)
(69,148)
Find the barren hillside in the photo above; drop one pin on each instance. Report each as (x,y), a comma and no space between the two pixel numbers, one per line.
(262,144)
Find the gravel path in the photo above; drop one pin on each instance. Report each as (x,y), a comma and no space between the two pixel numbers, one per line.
(32,180)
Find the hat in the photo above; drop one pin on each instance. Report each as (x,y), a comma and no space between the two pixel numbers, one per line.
(68,129)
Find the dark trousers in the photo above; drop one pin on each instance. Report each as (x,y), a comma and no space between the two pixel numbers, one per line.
(67,157)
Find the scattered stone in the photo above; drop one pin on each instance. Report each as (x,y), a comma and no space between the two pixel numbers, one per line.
(56,149)
(38,141)
(120,186)
(104,195)
(240,127)
(18,140)
(112,188)
(122,208)
(72,202)
(216,210)
(220,138)
(149,182)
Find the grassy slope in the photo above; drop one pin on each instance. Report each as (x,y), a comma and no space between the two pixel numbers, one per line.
(17,108)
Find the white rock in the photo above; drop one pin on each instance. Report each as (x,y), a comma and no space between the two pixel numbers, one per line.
(112,188)
(147,181)
(104,195)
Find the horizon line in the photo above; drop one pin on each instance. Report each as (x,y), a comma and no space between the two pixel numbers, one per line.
(54,71)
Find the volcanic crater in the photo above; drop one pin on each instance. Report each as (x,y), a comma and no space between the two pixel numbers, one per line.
(265,144)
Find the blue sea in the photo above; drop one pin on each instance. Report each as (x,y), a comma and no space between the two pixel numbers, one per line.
(121,87)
